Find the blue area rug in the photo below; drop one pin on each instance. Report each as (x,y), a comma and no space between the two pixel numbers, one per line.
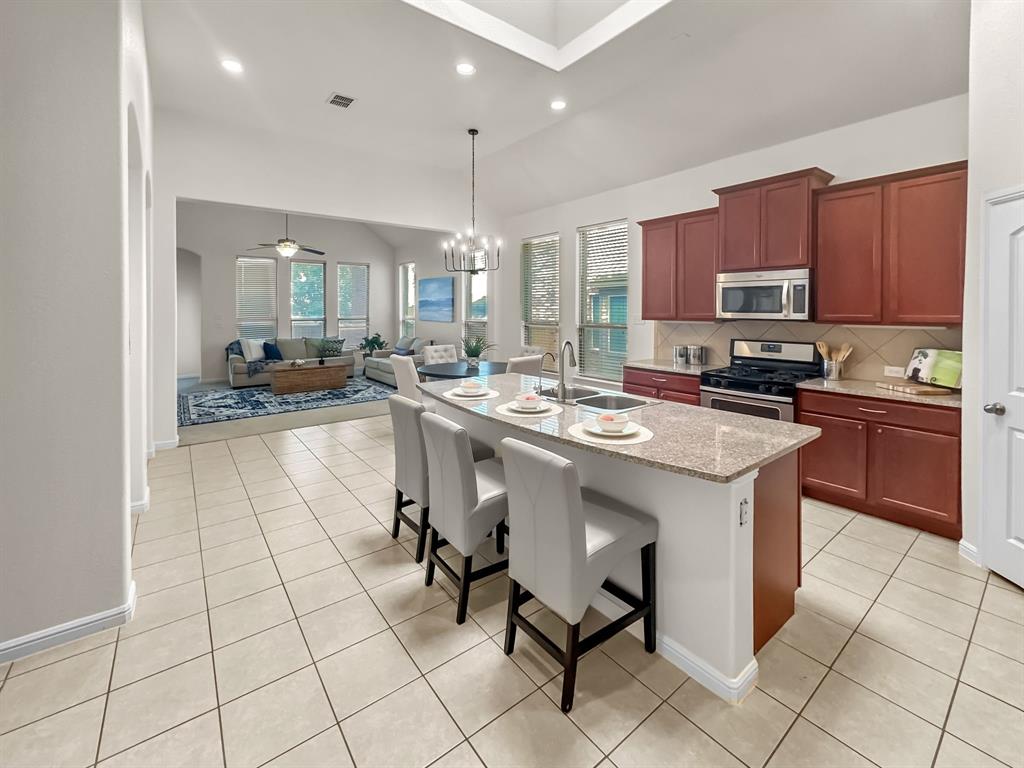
(212,405)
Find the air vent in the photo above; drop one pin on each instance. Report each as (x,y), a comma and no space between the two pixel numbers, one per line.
(340,101)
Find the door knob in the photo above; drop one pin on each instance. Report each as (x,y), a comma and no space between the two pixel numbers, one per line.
(997,408)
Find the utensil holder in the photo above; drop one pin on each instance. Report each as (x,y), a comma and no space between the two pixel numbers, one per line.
(832,370)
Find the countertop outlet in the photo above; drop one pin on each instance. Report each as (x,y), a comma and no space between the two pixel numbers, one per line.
(893,371)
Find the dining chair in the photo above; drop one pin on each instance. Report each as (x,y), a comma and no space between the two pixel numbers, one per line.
(468,501)
(406,377)
(529,365)
(564,542)
(440,353)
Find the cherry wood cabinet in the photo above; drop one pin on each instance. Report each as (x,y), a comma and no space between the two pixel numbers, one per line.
(766,224)
(839,461)
(893,460)
(679,254)
(891,249)
(849,245)
(926,237)
(674,387)
(659,271)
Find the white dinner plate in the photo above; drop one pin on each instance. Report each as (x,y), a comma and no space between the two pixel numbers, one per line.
(594,428)
(460,392)
(543,409)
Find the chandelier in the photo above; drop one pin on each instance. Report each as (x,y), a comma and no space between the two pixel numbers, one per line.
(464,253)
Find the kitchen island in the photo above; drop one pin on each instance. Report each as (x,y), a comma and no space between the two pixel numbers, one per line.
(725,489)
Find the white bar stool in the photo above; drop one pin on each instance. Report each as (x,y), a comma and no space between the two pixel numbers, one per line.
(411,484)
(530,365)
(468,502)
(406,377)
(565,541)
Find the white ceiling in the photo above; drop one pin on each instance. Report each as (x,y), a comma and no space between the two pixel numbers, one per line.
(693,82)
(553,21)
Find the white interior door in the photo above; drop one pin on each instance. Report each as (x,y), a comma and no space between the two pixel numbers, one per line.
(1003,384)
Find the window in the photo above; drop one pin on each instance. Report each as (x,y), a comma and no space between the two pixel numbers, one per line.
(540,293)
(407,299)
(475,318)
(603,255)
(256,297)
(354,302)
(308,316)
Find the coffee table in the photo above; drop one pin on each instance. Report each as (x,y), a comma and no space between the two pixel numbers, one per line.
(285,380)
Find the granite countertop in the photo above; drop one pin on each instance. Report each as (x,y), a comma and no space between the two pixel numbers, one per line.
(688,440)
(670,367)
(859,388)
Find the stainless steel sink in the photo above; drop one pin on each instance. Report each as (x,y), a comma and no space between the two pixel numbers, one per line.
(572,394)
(611,402)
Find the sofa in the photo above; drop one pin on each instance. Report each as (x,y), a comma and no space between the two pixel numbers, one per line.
(291,349)
(379,366)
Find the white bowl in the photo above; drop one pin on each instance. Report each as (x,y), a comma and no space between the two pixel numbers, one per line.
(470,387)
(612,422)
(528,401)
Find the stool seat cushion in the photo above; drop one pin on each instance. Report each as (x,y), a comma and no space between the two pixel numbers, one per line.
(609,523)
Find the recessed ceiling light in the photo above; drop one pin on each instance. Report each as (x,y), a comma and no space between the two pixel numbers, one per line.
(465,69)
(558,105)
(234,66)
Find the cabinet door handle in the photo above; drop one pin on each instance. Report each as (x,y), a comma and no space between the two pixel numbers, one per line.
(879,430)
(655,378)
(860,427)
(869,410)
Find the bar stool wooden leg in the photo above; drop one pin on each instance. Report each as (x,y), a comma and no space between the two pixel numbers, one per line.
(648,582)
(501,538)
(396,521)
(572,657)
(464,582)
(421,539)
(431,554)
(510,626)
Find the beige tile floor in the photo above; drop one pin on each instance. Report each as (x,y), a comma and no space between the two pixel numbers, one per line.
(279,624)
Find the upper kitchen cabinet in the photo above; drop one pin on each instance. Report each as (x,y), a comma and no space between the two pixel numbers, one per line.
(679,255)
(891,249)
(766,224)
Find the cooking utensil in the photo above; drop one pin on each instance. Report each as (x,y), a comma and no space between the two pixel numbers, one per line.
(822,348)
(845,351)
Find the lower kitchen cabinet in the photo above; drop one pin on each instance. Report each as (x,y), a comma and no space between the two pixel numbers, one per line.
(893,460)
(673,387)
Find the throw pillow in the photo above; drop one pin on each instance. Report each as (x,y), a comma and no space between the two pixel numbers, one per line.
(332,347)
(312,347)
(403,351)
(271,351)
(252,349)
(405,342)
(292,349)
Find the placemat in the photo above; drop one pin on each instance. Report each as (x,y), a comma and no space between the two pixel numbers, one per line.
(504,410)
(489,396)
(577,431)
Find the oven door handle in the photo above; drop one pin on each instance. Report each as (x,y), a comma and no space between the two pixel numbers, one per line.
(747,395)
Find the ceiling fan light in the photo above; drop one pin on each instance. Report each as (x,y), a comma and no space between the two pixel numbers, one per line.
(287,250)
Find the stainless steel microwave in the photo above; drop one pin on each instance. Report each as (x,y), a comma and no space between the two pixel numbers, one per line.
(783,294)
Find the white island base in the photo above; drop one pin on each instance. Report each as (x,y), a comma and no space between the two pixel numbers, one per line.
(705,551)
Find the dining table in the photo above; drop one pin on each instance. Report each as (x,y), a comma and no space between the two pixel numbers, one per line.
(461,369)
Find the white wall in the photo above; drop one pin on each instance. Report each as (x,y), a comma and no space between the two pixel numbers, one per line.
(190,314)
(925,135)
(64,456)
(205,162)
(996,162)
(219,233)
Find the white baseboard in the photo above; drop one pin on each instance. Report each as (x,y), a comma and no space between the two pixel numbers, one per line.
(71,630)
(163,445)
(151,451)
(732,689)
(138,507)
(969,552)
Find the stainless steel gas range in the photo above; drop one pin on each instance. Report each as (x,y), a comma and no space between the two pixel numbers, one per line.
(761,378)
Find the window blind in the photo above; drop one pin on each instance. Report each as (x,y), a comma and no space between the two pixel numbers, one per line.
(256,297)
(354,302)
(540,276)
(604,255)
(308,314)
(475,319)
(407,299)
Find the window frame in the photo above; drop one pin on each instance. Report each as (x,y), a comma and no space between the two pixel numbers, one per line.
(467,299)
(403,305)
(526,323)
(292,320)
(585,324)
(271,320)
(337,288)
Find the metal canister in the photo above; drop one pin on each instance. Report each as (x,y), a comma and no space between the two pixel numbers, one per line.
(696,354)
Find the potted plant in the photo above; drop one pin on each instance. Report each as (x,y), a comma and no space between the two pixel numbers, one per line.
(475,347)
(371,344)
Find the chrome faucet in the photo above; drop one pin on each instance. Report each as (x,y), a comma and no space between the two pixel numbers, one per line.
(562,393)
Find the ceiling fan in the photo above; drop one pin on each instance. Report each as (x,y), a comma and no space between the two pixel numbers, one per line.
(286,246)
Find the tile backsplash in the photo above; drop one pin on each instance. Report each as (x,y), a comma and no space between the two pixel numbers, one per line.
(873,347)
